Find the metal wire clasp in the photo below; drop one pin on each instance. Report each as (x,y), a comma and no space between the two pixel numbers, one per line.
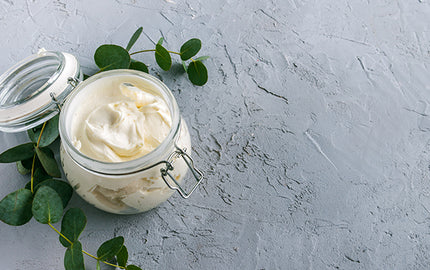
(72,82)
(198,175)
(55,100)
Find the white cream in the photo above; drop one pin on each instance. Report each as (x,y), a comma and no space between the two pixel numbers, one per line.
(115,119)
(125,125)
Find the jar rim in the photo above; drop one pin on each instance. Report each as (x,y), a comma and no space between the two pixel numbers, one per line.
(130,166)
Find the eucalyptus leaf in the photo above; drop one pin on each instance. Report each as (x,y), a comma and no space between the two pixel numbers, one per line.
(136,65)
(202,58)
(190,48)
(27,163)
(47,205)
(33,133)
(63,189)
(134,38)
(184,65)
(46,157)
(162,57)
(133,267)
(39,176)
(108,57)
(110,248)
(197,73)
(50,132)
(74,259)
(21,169)
(72,225)
(122,256)
(15,208)
(17,153)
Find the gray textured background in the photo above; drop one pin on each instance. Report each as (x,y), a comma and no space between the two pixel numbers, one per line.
(313,131)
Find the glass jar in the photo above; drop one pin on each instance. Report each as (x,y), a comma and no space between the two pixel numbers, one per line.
(118,187)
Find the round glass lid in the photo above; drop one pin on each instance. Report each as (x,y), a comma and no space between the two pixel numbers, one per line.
(31,90)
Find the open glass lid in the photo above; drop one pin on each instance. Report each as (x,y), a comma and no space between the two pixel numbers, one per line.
(32,91)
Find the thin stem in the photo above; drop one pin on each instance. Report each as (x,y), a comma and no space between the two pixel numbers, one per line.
(62,235)
(142,51)
(153,50)
(83,251)
(92,256)
(40,135)
(32,173)
(174,52)
(114,265)
(34,159)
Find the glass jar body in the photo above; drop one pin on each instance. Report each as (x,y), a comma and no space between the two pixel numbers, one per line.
(129,193)
(125,187)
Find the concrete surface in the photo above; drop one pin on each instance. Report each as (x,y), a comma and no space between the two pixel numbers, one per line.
(313,131)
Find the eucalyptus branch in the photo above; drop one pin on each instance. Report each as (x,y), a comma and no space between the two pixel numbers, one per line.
(109,56)
(83,251)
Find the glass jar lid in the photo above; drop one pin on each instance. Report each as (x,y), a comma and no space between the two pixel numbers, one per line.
(31,90)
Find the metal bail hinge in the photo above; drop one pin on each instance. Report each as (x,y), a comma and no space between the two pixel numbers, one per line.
(73,81)
(55,100)
(198,175)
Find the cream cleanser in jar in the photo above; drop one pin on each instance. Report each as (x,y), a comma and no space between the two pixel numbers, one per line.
(124,144)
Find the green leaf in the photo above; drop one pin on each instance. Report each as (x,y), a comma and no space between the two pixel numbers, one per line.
(86,76)
(122,256)
(17,153)
(15,208)
(39,176)
(190,48)
(108,57)
(202,58)
(133,267)
(184,65)
(21,169)
(162,56)
(74,259)
(136,65)
(134,38)
(197,73)
(27,163)
(160,41)
(98,265)
(47,205)
(33,133)
(63,189)
(72,225)
(46,157)
(50,132)
(110,248)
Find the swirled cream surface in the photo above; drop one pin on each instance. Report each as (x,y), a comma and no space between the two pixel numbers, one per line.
(120,121)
